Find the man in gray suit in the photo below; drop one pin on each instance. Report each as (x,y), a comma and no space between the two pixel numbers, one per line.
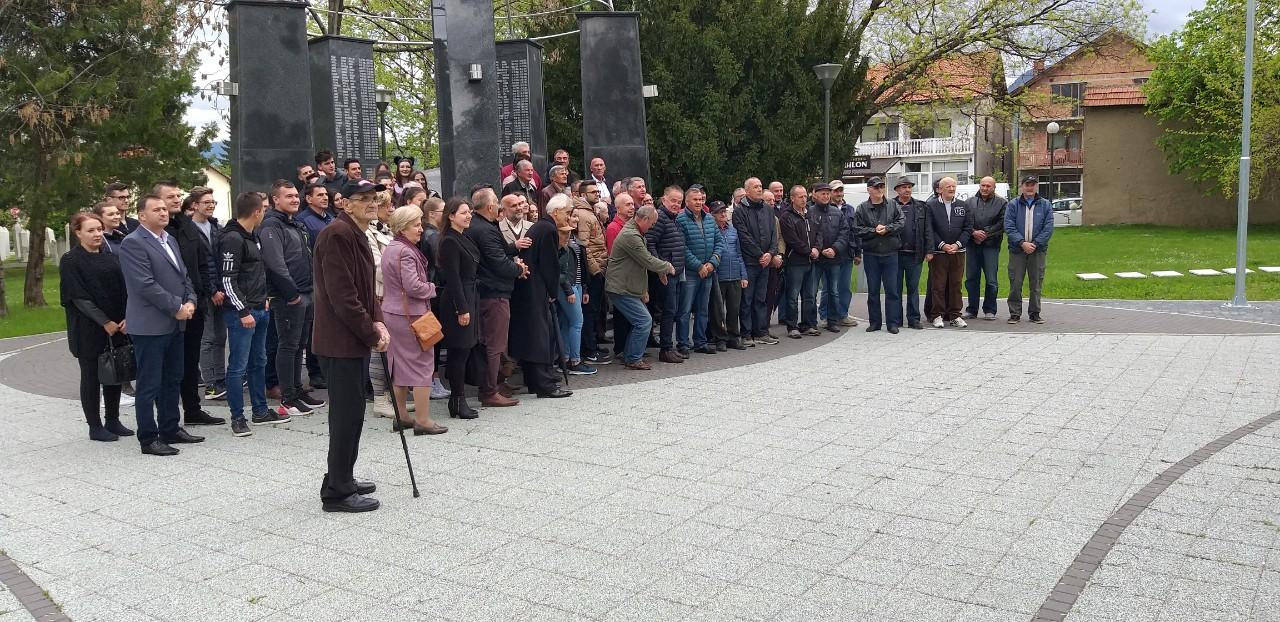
(161,300)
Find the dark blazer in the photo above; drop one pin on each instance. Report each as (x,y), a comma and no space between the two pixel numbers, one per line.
(156,287)
(958,227)
(345,307)
(92,293)
(459,261)
(195,254)
(498,272)
(515,187)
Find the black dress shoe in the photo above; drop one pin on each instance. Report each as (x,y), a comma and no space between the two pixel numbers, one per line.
(354,503)
(872,329)
(706,350)
(558,391)
(893,330)
(916,326)
(832,328)
(159,448)
(202,417)
(365,488)
(183,437)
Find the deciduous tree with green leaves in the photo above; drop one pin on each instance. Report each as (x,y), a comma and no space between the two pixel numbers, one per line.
(91,91)
(1196,93)
(737,92)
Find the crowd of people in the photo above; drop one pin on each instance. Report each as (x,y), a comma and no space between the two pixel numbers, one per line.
(332,274)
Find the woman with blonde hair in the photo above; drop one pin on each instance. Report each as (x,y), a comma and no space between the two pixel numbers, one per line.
(406,296)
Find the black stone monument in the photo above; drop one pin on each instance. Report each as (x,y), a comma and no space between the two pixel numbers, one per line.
(522,114)
(466,103)
(613,119)
(342,100)
(269,138)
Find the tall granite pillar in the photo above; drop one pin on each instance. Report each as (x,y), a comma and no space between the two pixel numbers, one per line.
(467,107)
(522,114)
(271,117)
(343,105)
(613,121)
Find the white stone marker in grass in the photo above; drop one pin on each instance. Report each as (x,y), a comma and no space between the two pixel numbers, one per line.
(1206,272)
(1269,268)
(1166,273)
(1131,275)
(1233,270)
(1091,276)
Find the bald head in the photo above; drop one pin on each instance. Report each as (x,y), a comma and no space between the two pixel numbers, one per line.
(947,189)
(987,187)
(754,188)
(625,204)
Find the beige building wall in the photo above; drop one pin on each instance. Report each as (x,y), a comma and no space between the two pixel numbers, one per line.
(1127,181)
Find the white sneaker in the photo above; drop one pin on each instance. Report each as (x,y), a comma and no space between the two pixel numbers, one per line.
(382,407)
(959,323)
(126,400)
(438,392)
(937,322)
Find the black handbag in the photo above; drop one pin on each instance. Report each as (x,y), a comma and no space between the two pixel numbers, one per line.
(116,364)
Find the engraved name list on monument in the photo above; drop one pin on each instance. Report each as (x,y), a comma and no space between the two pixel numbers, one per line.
(355,118)
(513,103)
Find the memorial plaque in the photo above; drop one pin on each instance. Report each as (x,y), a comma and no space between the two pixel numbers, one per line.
(613,118)
(522,113)
(343,100)
(467,108)
(271,128)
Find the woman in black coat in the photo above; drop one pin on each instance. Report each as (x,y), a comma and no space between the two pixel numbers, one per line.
(459,259)
(93,294)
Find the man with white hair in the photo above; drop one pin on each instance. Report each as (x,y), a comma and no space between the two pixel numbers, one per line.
(627,281)
(952,224)
(520,151)
(523,184)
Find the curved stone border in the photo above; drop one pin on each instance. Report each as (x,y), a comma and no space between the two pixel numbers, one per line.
(28,593)
(1072,584)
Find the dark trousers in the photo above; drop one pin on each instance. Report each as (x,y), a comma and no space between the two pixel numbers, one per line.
(495,322)
(273,344)
(593,286)
(191,340)
(293,326)
(346,422)
(539,377)
(313,363)
(725,309)
(982,263)
(672,292)
(945,273)
(622,329)
(159,381)
(90,389)
(909,268)
(456,373)
(802,290)
(754,313)
(829,298)
(882,275)
(777,293)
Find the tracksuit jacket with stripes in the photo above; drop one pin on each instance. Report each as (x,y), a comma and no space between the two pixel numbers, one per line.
(244,275)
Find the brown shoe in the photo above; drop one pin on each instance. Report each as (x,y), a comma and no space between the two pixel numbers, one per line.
(669,356)
(638,365)
(435,429)
(498,400)
(273,393)
(506,390)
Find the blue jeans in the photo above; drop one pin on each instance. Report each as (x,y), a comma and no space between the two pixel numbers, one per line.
(248,355)
(159,359)
(829,299)
(844,289)
(670,310)
(882,273)
(802,289)
(754,313)
(695,298)
(909,269)
(571,324)
(981,263)
(641,322)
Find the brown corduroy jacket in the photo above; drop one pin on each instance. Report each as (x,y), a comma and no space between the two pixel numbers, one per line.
(345,306)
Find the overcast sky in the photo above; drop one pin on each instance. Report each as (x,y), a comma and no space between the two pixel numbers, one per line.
(1165,17)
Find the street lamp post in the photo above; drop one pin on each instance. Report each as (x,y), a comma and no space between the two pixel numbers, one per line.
(1052,129)
(382,99)
(1242,198)
(827,73)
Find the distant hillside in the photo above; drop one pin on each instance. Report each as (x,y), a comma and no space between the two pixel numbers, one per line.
(216,153)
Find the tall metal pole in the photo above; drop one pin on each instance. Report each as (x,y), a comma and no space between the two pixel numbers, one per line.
(382,131)
(1052,139)
(1242,200)
(826,133)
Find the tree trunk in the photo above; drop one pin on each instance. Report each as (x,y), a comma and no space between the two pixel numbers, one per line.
(33,292)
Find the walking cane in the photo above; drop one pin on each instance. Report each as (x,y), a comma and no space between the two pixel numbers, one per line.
(395,407)
(555,339)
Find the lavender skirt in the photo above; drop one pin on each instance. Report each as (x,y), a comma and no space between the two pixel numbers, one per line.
(410,366)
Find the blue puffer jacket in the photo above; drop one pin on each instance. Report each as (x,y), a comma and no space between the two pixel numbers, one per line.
(1015,219)
(731,267)
(703,242)
(666,240)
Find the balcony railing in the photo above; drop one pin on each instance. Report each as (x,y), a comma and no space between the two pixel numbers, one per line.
(1061,157)
(916,146)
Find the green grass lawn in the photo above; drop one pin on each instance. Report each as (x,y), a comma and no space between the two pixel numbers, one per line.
(24,321)
(1144,249)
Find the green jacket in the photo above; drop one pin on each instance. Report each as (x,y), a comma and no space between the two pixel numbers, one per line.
(630,264)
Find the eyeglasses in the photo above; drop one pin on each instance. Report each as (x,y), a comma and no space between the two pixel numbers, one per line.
(362,198)
(208,202)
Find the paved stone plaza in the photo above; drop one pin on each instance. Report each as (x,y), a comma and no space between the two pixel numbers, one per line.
(929,476)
